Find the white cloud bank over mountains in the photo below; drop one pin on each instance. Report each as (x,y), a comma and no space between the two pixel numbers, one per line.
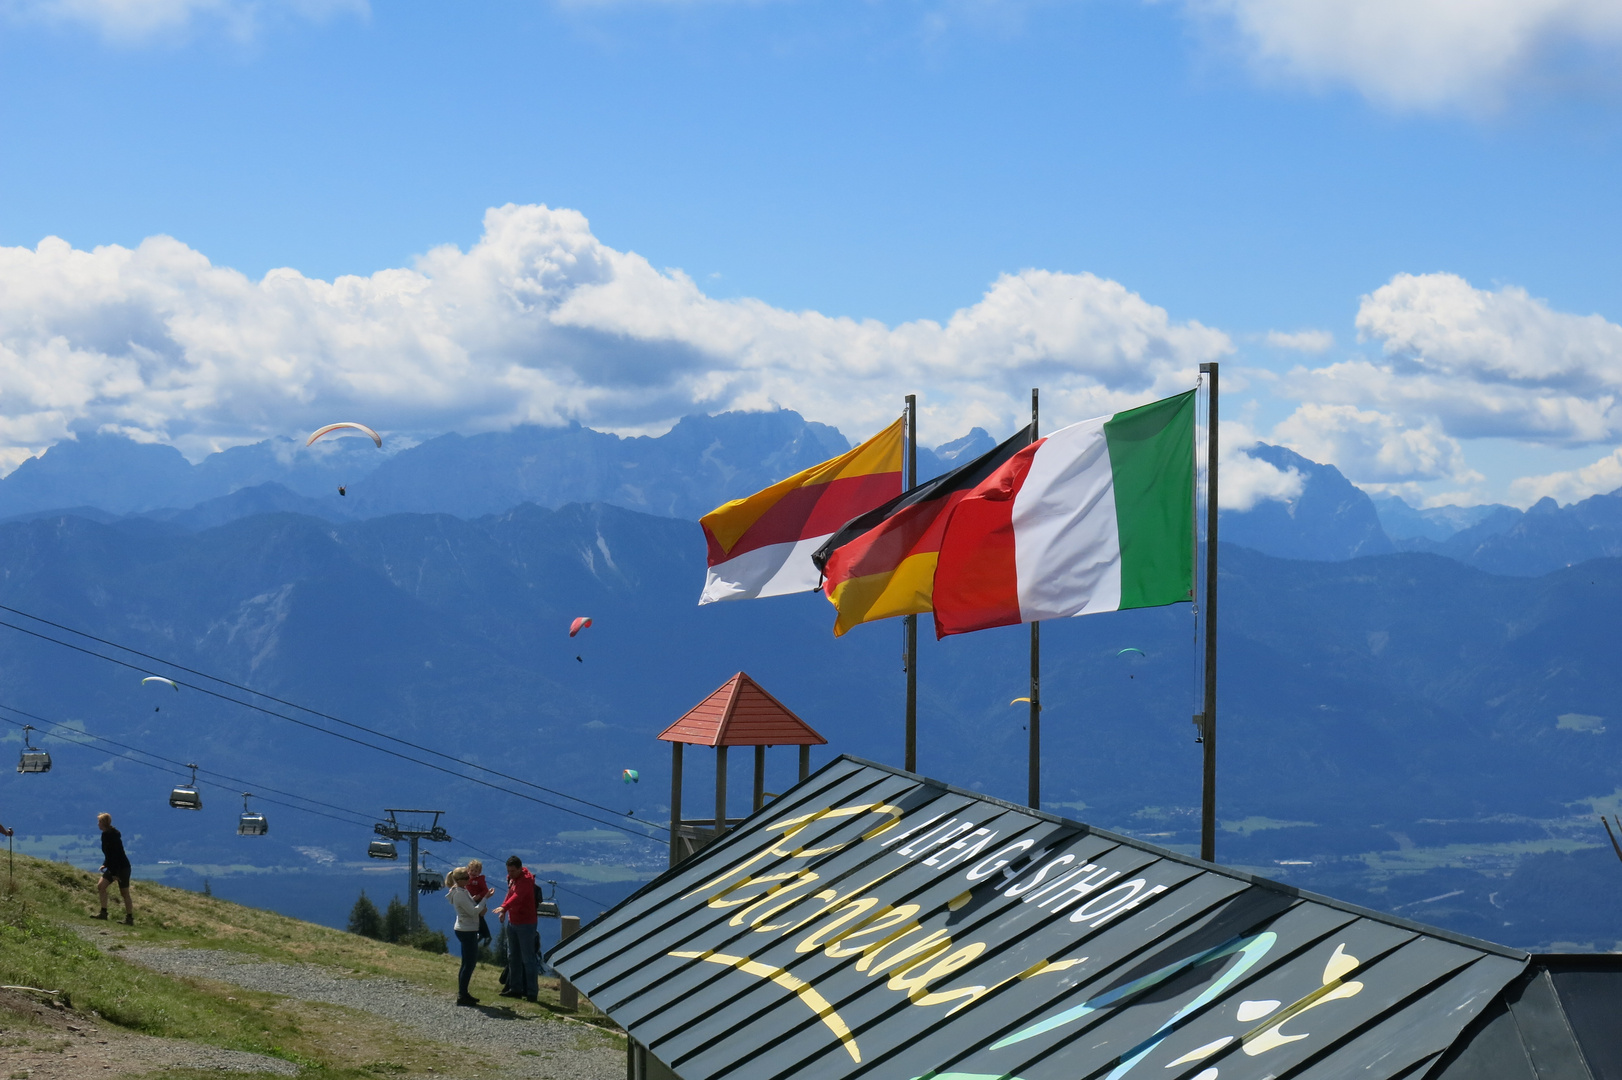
(540,322)
(1457,362)
(537,322)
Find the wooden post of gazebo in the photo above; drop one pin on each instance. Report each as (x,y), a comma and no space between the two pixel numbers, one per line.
(739,713)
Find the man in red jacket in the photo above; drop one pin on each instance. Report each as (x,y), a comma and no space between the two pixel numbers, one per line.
(523,940)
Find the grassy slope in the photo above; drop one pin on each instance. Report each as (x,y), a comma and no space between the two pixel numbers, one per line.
(41,945)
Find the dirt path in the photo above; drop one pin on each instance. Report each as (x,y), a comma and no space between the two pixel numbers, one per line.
(63,1046)
(529,1046)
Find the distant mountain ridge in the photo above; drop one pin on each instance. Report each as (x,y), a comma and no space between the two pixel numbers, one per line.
(1367,703)
(702,462)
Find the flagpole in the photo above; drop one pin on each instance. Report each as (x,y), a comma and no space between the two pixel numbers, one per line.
(910,648)
(1209,727)
(1034,798)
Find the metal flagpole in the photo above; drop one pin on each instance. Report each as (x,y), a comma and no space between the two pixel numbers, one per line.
(1208,727)
(1034,799)
(910,659)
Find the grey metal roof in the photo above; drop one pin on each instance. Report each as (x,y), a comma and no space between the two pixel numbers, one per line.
(876,923)
(1560,1020)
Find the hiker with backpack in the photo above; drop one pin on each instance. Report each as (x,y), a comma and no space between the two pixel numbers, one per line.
(523,938)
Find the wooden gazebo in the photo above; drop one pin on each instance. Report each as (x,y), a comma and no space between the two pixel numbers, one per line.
(739,713)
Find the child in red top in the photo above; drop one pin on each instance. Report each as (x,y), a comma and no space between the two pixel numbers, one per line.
(478,889)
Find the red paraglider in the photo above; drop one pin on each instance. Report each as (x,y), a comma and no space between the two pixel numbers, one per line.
(579,625)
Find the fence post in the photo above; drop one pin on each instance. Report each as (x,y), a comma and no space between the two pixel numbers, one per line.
(568,996)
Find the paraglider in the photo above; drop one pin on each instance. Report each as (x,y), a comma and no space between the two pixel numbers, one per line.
(1017,700)
(345,425)
(630,776)
(161,681)
(579,625)
(1128,649)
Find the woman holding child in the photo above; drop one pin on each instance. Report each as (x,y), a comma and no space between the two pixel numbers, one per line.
(469,914)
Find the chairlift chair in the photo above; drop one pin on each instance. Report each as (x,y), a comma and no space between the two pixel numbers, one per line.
(428,881)
(33,759)
(548,908)
(382,849)
(250,823)
(186,797)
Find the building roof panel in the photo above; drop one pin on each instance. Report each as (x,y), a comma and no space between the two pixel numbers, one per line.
(876,923)
(741,713)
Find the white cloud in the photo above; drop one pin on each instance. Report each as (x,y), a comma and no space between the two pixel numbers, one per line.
(1598,478)
(1307,341)
(131,21)
(537,322)
(1244,481)
(1479,363)
(1372,447)
(1423,54)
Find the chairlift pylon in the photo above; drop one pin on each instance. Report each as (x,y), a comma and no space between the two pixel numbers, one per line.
(250,823)
(33,759)
(186,797)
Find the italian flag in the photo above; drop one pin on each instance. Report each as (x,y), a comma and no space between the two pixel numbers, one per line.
(1098,516)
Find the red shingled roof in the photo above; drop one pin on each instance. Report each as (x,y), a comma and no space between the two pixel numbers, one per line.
(741,713)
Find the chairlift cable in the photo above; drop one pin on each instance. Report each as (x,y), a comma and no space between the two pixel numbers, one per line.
(366,818)
(301,708)
(78,736)
(172,772)
(357,742)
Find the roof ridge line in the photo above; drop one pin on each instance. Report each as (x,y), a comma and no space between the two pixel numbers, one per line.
(736,683)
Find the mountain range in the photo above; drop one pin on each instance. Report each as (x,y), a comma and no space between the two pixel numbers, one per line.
(1405,729)
(704,461)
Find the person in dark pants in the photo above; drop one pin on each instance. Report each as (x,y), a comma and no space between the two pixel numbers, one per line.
(523,939)
(115,866)
(468,912)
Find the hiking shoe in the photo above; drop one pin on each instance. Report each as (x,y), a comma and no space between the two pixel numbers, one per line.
(531,999)
(467,999)
(509,993)
(102,915)
(129,920)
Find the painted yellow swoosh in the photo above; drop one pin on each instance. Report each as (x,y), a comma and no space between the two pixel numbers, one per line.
(799,987)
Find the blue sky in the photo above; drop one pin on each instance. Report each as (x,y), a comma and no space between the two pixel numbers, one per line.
(864,160)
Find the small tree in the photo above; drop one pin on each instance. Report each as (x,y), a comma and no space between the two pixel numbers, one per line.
(396,920)
(500,956)
(364,919)
(431,941)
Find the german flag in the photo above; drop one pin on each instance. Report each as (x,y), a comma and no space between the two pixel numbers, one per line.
(762,545)
(882,564)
